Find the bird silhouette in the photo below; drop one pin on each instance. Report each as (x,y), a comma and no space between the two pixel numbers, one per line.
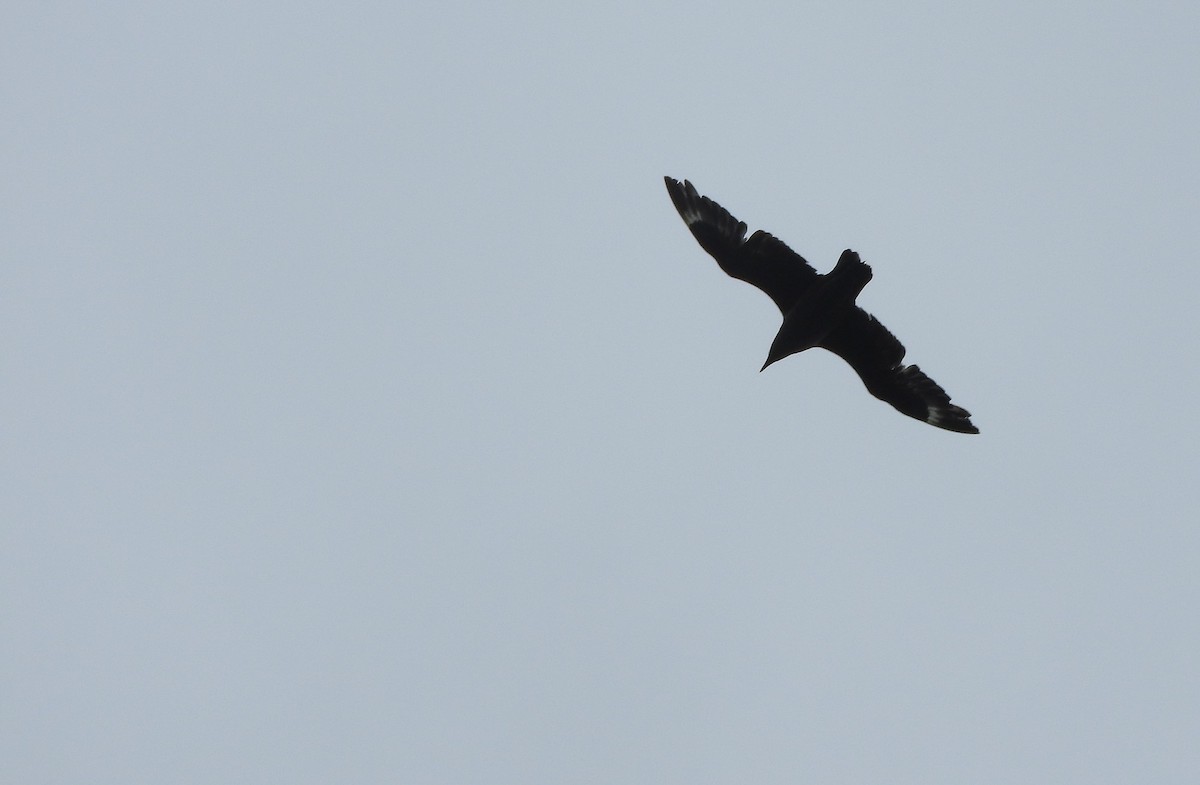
(818,310)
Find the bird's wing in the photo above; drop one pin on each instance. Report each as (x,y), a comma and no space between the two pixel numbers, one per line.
(763,260)
(876,355)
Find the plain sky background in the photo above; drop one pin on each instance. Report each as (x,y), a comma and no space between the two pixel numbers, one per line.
(371,416)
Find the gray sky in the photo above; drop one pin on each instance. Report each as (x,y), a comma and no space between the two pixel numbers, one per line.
(372,416)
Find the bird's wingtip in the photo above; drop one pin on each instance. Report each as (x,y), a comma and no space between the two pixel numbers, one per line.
(952,418)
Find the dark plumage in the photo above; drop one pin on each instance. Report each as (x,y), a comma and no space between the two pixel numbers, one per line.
(818,310)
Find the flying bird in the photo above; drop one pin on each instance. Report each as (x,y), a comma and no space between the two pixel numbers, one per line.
(818,310)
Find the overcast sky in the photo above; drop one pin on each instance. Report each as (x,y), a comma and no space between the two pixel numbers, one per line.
(371,416)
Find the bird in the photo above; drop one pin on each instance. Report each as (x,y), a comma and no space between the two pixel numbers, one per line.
(819,310)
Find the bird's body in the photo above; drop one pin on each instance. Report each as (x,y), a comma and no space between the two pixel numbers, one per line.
(818,310)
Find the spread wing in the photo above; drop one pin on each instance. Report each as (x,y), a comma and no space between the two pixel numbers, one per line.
(876,355)
(763,260)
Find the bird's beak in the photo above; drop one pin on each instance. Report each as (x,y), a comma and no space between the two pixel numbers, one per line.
(768,362)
